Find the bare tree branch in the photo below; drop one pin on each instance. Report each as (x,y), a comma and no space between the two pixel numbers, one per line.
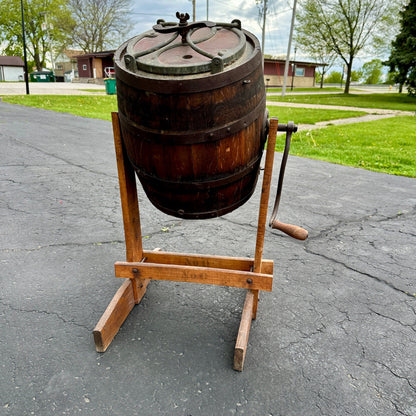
(100,23)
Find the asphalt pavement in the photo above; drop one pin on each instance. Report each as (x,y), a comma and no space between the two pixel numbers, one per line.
(336,336)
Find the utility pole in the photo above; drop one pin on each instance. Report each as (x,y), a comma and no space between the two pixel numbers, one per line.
(46,26)
(193,10)
(24,49)
(293,71)
(207,8)
(289,46)
(263,31)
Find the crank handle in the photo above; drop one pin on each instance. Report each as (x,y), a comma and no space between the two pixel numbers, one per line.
(293,230)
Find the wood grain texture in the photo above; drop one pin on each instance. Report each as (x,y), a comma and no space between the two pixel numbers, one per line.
(265,193)
(264,202)
(292,230)
(243,332)
(128,196)
(197,155)
(200,260)
(192,274)
(114,316)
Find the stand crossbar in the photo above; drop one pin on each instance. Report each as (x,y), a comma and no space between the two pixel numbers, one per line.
(141,266)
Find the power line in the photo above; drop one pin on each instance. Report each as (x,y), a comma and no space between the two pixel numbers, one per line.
(276,13)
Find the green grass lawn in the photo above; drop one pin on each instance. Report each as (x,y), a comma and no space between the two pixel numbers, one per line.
(310,115)
(313,89)
(387,145)
(97,106)
(392,101)
(92,106)
(93,90)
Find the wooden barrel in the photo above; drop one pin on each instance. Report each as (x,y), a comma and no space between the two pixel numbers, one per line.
(191,103)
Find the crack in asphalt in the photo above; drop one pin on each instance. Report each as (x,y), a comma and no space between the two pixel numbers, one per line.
(44,312)
(361,272)
(368,218)
(397,375)
(394,320)
(412,387)
(38,248)
(68,162)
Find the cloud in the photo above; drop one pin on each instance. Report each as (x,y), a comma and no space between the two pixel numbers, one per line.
(146,12)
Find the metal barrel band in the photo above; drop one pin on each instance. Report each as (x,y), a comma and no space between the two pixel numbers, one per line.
(193,137)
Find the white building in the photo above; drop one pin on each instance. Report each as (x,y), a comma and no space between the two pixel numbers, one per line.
(66,68)
(11,68)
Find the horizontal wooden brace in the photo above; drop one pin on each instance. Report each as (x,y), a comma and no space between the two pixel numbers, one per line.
(194,274)
(219,262)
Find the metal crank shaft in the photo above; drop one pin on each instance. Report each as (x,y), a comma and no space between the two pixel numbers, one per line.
(292,230)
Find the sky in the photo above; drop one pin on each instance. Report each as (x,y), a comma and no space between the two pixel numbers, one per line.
(146,12)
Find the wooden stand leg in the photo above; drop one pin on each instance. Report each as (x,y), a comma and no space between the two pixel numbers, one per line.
(131,291)
(114,316)
(128,196)
(251,302)
(243,332)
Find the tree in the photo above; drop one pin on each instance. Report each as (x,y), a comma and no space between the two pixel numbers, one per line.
(317,48)
(356,75)
(372,71)
(263,11)
(334,78)
(345,26)
(403,54)
(391,77)
(100,24)
(39,41)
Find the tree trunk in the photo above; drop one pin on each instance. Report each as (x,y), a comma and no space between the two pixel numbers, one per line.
(38,62)
(348,80)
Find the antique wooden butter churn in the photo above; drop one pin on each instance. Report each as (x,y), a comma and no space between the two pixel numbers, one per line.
(191,102)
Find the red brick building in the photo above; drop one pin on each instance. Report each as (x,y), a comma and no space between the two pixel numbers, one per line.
(93,65)
(301,74)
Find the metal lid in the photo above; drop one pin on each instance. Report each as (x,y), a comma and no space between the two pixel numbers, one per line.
(186,48)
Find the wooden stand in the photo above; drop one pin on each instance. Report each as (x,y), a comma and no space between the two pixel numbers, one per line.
(141,266)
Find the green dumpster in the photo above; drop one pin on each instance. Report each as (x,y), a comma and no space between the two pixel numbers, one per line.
(110,85)
(42,76)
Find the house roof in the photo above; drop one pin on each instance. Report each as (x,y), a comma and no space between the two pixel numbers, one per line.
(71,53)
(11,61)
(103,54)
(276,60)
